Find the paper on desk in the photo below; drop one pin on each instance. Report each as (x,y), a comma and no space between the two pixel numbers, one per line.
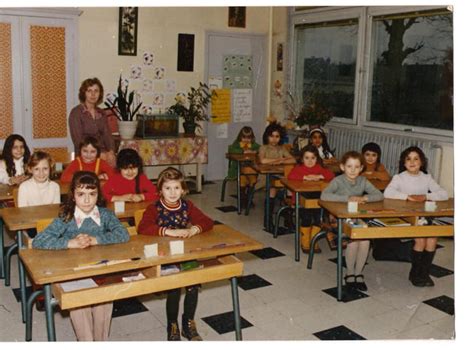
(150,250)
(177,247)
(78,284)
(119,206)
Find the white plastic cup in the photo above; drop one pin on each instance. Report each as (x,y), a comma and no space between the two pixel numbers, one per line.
(352,207)
(430,206)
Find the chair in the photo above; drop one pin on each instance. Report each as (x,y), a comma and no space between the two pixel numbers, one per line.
(138,216)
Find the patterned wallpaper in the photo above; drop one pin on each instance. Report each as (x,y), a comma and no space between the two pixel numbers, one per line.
(59,154)
(48,81)
(6,86)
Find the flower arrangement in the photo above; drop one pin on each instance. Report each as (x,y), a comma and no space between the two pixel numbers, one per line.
(309,112)
(193,107)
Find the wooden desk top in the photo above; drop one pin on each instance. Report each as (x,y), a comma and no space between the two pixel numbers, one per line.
(389,208)
(268,168)
(241,157)
(26,217)
(46,266)
(317,186)
(6,191)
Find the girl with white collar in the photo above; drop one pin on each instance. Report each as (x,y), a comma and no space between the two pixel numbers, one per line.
(15,156)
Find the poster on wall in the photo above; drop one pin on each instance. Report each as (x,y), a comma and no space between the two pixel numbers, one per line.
(242,105)
(220,106)
(237,72)
(222,131)
(185,52)
(128,23)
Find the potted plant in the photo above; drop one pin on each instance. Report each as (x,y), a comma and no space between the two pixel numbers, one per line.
(193,108)
(125,110)
(311,111)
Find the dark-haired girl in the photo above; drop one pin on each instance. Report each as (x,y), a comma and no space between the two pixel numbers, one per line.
(374,169)
(413,183)
(130,184)
(15,156)
(318,138)
(82,223)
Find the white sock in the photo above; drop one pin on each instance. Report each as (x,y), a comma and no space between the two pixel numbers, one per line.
(351,254)
(362,254)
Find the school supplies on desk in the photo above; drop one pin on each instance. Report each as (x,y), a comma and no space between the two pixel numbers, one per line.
(189,265)
(78,285)
(356,223)
(217,246)
(102,263)
(391,222)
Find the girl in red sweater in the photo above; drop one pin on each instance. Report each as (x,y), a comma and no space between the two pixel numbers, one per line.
(173,216)
(130,184)
(88,160)
(310,169)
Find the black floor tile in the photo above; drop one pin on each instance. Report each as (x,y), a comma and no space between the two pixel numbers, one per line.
(348,294)
(217,222)
(439,271)
(334,260)
(252,282)
(442,303)
(126,307)
(227,208)
(224,323)
(267,253)
(17,294)
(282,230)
(338,333)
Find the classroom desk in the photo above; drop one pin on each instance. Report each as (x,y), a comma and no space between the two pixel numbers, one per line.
(268,170)
(301,186)
(18,219)
(50,268)
(410,211)
(241,158)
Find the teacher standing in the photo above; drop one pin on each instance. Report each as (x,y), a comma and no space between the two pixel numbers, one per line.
(87,119)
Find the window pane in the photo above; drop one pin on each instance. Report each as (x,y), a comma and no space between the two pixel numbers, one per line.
(412,70)
(325,65)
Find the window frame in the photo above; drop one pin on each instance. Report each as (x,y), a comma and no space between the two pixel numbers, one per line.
(363,72)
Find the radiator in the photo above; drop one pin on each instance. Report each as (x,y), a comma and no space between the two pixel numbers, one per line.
(343,140)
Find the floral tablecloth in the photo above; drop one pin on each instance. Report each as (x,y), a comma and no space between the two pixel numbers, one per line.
(167,151)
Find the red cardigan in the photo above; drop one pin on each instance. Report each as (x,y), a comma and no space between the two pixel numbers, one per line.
(300,171)
(78,163)
(117,185)
(148,225)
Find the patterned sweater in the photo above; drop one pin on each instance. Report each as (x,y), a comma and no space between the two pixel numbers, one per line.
(160,216)
(340,189)
(58,233)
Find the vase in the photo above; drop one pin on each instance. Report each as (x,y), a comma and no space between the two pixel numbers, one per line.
(127,129)
(189,128)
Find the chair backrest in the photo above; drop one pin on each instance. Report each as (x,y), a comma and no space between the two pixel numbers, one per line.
(40,226)
(287,168)
(138,215)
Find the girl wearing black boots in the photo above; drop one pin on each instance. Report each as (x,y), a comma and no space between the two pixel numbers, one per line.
(414,184)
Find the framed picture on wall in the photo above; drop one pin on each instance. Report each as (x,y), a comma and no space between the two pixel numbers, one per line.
(128,24)
(185,52)
(237,16)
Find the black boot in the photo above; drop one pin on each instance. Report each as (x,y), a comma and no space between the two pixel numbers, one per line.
(288,220)
(173,331)
(189,330)
(243,197)
(426,261)
(271,208)
(415,272)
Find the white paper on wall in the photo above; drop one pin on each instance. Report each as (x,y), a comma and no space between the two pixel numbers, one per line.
(222,131)
(242,105)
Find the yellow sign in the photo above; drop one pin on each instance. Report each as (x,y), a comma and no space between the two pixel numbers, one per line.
(220,108)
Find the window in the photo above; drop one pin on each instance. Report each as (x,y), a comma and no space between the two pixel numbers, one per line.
(389,67)
(326,56)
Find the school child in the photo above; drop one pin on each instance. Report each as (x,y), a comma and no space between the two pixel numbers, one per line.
(374,169)
(88,160)
(174,216)
(130,184)
(318,138)
(413,183)
(351,187)
(310,169)
(244,143)
(15,156)
(84,222)
(39,189)
(273,152)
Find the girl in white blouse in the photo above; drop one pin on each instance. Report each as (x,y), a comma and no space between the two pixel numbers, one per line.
(414,184)
(15,156)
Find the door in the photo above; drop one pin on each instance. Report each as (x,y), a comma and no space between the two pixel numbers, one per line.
(219,45)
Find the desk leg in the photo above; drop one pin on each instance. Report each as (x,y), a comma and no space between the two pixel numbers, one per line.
(2,255)
(266,223)
(339,259)
(48,308)
(199,177)
(235,303)
(297,225)
(22,277)
(239,209)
